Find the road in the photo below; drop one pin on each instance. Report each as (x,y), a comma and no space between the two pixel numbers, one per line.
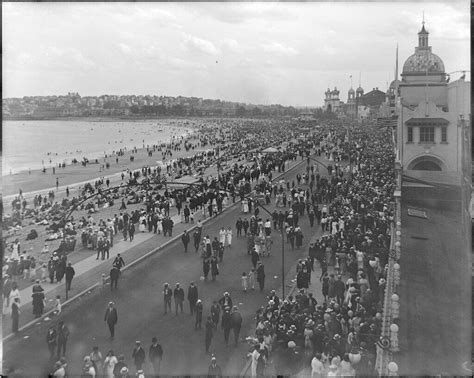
(140,309)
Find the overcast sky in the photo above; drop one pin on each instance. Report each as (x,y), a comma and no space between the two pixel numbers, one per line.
(261,53)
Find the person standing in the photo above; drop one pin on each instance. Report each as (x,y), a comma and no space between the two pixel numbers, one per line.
(15,315)
(236,322)
(155,355)
(198,310)
(63,335)
(214,370)
(167,294)
(196,240)
(131,231)
(111,318)
(38,303)
(138,355)
(96,358)
(261,275)
(70,272)
(178,295)
(119,263)
(317,367)
(114,276)
(185,239)
(7,288)
(214,267)
(209,333)
(109,364)
(226,324)
(238,226)
(192,297)
(51,341)
(228,237)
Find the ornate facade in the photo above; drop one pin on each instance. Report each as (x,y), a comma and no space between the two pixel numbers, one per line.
(430,113)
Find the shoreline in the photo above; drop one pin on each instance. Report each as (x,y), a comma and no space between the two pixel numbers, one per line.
(137,119)
(75,174)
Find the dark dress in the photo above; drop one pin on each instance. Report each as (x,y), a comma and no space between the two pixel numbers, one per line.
(15,317)
(38,304)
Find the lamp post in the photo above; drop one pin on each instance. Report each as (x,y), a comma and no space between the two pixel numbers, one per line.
(282,254)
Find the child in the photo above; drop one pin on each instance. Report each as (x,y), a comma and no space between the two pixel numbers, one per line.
(57,309)
(245,281)
(252,278)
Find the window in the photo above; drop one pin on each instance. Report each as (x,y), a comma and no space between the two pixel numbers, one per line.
(427,134)
(444,134)
(410,135)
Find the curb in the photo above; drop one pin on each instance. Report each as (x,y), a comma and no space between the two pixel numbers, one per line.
(133,263)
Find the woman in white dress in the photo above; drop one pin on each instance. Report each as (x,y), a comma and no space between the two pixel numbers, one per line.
(228,237)
(142,224)
(222,235)
(245,206)
(109,364)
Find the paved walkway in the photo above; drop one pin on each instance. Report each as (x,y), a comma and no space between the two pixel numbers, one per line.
(89,270)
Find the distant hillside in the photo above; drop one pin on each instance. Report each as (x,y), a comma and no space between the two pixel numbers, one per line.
(73,105)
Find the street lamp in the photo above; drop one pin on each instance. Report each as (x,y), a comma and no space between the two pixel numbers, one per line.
(282,253)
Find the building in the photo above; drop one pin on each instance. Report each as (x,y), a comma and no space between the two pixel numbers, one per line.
(332,103)
(433,194)
(350,108)
(369,104)
(432,113)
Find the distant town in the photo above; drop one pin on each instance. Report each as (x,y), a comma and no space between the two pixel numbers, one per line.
(129,106)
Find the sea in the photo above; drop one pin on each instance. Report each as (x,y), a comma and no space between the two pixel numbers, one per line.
(37,144)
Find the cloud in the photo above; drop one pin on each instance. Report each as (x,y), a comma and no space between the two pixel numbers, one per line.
(279,49)
(201,45)
(231,45)
(124,48)
(242,12)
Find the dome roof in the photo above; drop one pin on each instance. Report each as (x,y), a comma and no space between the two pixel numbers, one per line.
(394,83)
(351,90)
(359,90)
(422,61)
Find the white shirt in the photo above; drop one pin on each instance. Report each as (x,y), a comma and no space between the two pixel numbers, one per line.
(317,367)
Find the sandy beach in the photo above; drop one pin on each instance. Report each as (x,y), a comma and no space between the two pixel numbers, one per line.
(76,173)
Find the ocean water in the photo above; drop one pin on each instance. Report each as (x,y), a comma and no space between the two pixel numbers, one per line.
(34,144)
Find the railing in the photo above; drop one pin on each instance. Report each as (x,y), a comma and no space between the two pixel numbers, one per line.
(388,346)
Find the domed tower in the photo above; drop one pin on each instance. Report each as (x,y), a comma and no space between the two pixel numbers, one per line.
(350,95)
(423,75)
(423,62)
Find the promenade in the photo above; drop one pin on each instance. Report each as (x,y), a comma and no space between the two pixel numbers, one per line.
(89,270)
(140,287)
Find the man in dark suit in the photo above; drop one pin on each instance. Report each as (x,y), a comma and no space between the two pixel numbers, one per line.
(52,340)
(167,294)
(226,324)
(192,296)
(178,295)
(185,239)
(196,239)
(138,356)
(69,276)
(114,276)
(214,370)
(63,335)
(236,322)
(155,355)
(111,318)
(225,301)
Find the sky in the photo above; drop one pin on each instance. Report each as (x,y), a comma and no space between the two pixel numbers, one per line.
(251,52)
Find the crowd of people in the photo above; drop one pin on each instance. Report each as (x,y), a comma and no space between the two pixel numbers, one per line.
(353,212)
(338,336)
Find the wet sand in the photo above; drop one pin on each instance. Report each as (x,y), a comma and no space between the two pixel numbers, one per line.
(76,173)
